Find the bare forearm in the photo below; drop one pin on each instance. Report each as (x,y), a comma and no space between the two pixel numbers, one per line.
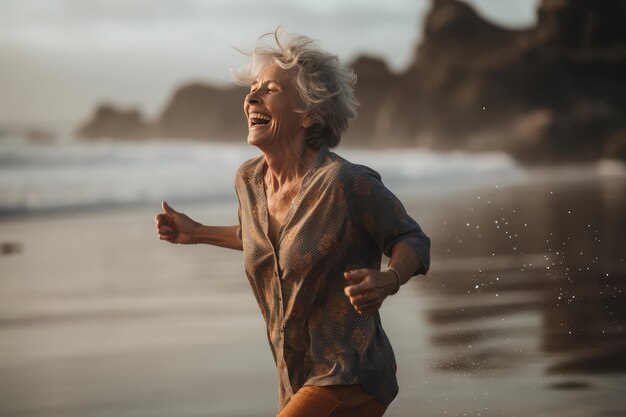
(405,260)
(223,236)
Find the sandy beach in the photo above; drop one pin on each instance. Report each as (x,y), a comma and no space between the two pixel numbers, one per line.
(522,313)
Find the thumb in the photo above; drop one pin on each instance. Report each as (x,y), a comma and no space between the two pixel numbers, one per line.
(355,276)
(166,208)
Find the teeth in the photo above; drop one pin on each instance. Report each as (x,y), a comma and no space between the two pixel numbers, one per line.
(259,116)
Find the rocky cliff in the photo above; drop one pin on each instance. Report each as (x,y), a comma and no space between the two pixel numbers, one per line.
(553,92)
(110,122)
(199,111)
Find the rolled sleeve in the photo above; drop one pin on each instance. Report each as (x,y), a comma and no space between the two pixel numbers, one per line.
(384,217)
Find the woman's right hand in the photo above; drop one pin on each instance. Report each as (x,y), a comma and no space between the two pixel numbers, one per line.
(175,227)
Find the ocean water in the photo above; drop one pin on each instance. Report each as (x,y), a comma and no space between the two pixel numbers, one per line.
(66,174)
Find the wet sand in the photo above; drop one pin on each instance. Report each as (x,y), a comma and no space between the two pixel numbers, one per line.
(527,304)
(522,314)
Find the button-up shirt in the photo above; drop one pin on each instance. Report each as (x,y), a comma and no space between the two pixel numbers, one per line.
(343,218)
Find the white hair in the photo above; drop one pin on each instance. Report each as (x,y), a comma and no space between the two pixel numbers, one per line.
(325,86)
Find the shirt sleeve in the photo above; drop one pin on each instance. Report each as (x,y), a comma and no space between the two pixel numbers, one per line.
(384,217)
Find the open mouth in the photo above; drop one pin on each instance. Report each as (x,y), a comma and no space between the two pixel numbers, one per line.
(258,119)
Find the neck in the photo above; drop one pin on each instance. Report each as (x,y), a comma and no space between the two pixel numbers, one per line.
(287,164)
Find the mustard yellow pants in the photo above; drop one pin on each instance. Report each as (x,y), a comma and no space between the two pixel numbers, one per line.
(333,401)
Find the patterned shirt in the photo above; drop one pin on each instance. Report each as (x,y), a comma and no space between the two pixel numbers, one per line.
(343,218)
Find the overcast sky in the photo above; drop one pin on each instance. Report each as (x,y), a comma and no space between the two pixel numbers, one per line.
(58,58)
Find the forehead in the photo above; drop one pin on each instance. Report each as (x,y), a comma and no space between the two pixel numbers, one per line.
(273,72)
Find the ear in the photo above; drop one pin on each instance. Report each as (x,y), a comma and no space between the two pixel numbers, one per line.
(308,121)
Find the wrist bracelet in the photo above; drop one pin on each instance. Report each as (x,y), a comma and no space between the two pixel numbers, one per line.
(390,268)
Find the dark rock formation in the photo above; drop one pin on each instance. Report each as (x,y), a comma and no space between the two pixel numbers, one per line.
(555,92)
(38,135)
(375,89)
(199,111)
(109,122)
(10,248)
(195,111)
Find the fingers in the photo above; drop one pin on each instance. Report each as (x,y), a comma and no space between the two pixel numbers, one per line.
(369,309)
(160,219)
(357,275)
(360,280)
(167,238)
(165,230)
(355,290)
(358,289)
(165,224)
(367,303)
(363,294)
(365,300)
(368,298)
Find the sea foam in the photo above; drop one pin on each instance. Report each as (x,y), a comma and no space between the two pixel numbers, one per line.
(68,175)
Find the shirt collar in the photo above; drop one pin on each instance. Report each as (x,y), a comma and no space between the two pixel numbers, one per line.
(317,162)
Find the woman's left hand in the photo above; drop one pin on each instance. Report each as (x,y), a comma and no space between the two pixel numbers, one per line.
(368,288)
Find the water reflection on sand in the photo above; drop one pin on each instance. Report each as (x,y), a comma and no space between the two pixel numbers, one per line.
(532,275)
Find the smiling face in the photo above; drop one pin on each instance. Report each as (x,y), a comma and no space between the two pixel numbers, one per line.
(270,108)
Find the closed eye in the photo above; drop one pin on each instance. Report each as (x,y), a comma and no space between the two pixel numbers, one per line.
(273,87)
(270,88)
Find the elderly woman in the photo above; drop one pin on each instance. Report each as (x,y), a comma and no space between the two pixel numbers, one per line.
(313,228)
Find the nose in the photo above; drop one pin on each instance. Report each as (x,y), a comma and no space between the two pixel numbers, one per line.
(252,98)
